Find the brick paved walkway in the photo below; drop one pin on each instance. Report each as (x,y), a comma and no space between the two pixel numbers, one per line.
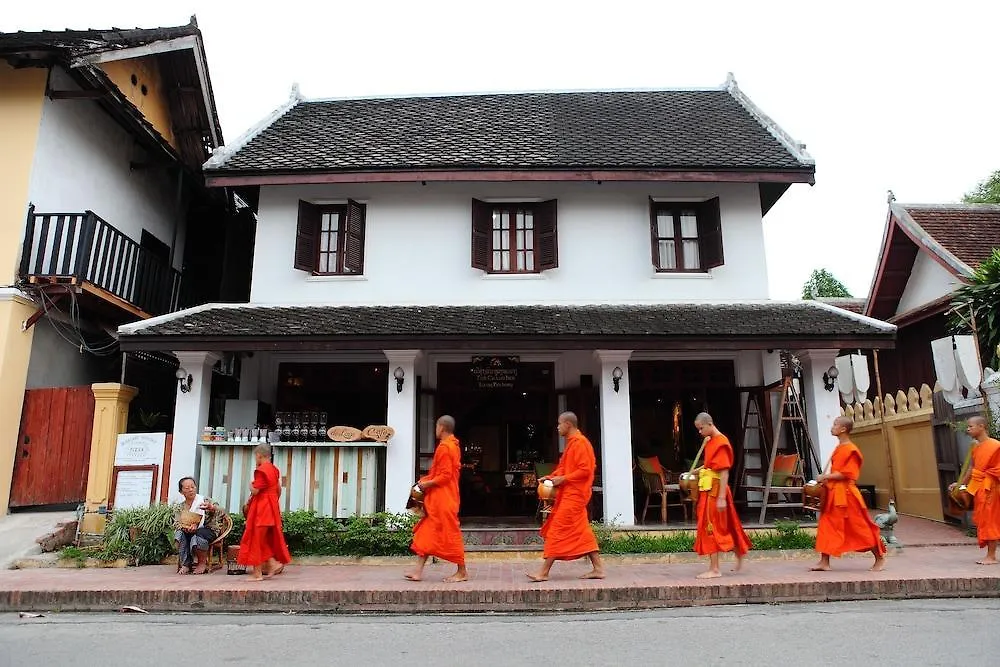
(500,586)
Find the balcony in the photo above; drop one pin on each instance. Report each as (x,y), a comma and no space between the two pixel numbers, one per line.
(82,253)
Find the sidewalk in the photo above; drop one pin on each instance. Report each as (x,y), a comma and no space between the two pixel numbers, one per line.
(924,572)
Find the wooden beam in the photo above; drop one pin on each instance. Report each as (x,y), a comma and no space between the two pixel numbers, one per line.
(75,94)
(40,313)
(114,300)
(554,175)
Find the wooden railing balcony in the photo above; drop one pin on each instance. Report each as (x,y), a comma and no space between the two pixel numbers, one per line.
(85,250)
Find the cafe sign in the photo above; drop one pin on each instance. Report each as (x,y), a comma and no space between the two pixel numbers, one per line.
(494,372)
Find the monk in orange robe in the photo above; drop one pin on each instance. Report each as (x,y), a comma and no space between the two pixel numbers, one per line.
(719,528)
(263,545)
(439,533)
(844,524)
(567,531)
(983,482)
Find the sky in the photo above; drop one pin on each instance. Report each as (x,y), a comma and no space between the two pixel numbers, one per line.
(886,95)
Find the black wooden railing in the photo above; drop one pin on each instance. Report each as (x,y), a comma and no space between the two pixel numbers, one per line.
(86,247)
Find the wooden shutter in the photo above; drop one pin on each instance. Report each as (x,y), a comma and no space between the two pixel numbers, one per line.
(482,229)
(306,234)
(710,234)
(653,237)
(546,236)
(354,237)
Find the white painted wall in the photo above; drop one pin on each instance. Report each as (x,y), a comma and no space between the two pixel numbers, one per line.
(418,242)
(82,163)
(928,281)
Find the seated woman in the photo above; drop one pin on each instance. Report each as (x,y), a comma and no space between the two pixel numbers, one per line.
(197,521)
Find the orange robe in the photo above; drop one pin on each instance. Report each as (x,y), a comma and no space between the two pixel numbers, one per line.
(567,531)
(439,532)
(844,524)
(262,537)
(984,485)
(719,531)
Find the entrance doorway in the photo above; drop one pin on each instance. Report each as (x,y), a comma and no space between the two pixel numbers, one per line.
(505,413)
(668,395)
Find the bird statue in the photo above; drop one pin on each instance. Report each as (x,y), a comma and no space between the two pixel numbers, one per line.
(886,522)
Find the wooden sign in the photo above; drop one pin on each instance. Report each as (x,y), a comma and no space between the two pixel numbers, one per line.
(133,486)
(344,434)
(142,449)
(494,372)
(379,433)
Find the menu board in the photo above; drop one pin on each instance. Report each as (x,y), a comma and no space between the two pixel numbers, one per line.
(133,486)
(141,449)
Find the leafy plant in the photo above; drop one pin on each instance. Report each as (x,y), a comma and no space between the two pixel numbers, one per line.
(141,535)
(786,535)
(987,191)
(980,299)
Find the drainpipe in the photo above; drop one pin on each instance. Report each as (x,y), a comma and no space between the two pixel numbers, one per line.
(178,213)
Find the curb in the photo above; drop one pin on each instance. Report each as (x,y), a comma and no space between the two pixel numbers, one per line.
(493,601)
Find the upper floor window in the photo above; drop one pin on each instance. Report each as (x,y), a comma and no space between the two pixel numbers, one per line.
(330,239)
(514,238)
(686,236)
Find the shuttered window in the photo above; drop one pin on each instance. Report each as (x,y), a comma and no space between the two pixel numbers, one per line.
(330,240)
(514,238)
(686,236)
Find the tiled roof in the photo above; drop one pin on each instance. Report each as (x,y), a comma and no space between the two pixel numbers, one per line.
(756,320)
(714,129)
(847,303)
(969,232)
(83,42)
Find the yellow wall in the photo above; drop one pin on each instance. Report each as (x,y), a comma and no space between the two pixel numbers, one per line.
(907,418)
(22,93)
(154,105)
(15,352)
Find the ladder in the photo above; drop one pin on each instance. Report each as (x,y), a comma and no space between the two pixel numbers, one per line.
(792,414)
(751,473)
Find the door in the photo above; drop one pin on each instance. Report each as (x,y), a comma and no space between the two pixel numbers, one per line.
(52,458)
(949,461)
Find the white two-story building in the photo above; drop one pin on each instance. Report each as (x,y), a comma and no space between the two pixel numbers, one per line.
(501,258)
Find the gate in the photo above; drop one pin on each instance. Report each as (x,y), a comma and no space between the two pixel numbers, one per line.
(951,447)
(53,447)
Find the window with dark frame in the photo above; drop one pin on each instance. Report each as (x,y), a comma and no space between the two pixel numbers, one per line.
(686,236)
(330,239)
(514,237)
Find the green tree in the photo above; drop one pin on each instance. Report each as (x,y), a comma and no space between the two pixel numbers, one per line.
(987,192)
(981,299)
(822,284)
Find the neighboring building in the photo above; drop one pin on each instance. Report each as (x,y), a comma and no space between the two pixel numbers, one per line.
(501,258)
(928,251)
(105,220)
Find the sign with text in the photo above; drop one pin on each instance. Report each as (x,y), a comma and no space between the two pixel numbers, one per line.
(142,449)
(133,486)
(494,372)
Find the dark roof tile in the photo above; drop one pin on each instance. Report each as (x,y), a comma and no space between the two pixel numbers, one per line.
(668,129)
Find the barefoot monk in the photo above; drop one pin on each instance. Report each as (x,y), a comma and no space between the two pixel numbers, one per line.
(567,531)
(263,545)
(439,533)
(719,528)
(983,482)
(844,525)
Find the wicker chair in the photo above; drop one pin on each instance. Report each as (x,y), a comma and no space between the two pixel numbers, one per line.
(219,544)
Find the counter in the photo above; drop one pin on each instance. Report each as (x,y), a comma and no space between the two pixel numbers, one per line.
(335,479)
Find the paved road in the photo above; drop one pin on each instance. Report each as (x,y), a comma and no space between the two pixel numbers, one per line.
(931,632)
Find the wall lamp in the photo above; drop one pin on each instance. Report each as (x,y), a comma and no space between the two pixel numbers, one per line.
(399,375)
(616,377)
(184,380)
(830,377)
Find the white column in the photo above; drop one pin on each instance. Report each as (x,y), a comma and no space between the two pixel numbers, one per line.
(190,416)
(822,406)
(616,438)
(250,377)
(401,452)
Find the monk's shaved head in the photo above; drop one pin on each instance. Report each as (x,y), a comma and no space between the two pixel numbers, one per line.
(846,422)
(977,420)
(263,450)
(704,418)
(447,423)
(570,418)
